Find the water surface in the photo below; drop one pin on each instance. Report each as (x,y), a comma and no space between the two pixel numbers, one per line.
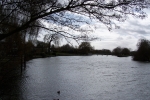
(85,78)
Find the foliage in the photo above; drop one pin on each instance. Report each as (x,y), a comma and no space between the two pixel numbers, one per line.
(14,45)
(121,52)
(69,49)
(125,52)
(62,15)
(55,38)
(102,52)
(85,48)
(117,51)
(49,38)
(66,48)
(143,51)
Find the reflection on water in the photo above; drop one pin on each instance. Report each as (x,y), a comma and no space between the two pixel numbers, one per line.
(81,78)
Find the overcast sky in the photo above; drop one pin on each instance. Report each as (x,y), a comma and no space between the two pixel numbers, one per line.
(128,35)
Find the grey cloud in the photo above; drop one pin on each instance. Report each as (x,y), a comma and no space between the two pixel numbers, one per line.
(119,38)
(129,34)
(139,31)
(135,31)
(129,37)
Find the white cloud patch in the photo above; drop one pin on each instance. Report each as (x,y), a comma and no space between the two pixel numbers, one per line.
(128,35)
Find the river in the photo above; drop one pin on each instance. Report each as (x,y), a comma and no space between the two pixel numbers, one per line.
(84,78)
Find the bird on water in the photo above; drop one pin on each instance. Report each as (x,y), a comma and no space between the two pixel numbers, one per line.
(58,92)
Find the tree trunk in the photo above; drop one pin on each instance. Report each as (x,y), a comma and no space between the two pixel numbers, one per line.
(49,46)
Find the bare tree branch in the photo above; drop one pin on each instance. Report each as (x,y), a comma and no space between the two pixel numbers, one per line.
(26,13)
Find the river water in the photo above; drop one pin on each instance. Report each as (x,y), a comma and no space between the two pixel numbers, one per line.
(84,78)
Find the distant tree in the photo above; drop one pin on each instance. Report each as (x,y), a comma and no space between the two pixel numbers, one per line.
(66,48)
(117,51)
(29,48)
(49,38)
(69,49)
(121,52)
(143,51)
(41,46)
(125,52)
(106,52)
(85,47)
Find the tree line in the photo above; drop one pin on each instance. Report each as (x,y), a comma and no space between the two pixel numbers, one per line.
(17,45)
(84,48)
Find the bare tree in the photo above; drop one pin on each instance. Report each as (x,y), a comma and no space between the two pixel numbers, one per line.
(49,38)
(28,15)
